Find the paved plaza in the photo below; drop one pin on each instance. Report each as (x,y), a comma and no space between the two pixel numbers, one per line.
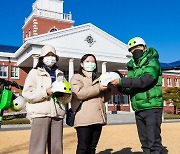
(115,139)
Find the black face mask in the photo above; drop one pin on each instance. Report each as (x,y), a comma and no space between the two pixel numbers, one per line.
(137,54)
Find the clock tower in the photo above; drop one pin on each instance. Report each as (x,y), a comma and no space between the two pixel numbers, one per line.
(46,16)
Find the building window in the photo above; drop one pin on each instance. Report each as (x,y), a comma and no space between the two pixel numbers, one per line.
(169,83)
(15,72)
(53,29)
(125,100)
(26,35)
(163,81)
(3,71)
(164,102)
(29,33)
(119,99)
(176,82)
(111,100)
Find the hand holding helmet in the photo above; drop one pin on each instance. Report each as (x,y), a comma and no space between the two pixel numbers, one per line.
(107,77)
(61,91)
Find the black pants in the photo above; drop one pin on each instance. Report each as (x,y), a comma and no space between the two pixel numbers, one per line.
(88,137)
(149,130)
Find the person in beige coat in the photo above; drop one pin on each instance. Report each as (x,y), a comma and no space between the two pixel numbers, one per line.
(46,115)
(90,98)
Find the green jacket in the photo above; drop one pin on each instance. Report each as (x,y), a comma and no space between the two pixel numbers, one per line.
(144,82)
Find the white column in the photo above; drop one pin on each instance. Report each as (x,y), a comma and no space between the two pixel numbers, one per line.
(130,106)
(35,60)
(71,68)
(103,71)
(71,72)
(104,67)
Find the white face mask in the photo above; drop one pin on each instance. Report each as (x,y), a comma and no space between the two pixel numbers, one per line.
(49,60)
(88,66)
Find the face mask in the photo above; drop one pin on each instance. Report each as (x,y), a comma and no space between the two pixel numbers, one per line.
(90,67)
(49,60)
(137,54)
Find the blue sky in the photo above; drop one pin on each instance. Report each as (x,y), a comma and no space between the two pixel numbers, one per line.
(157,21)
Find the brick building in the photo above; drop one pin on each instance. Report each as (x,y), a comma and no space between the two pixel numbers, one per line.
(171,78)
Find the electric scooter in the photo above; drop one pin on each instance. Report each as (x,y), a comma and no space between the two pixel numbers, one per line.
(8,100)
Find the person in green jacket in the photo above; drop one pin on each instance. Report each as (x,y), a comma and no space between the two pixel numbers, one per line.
(144,85)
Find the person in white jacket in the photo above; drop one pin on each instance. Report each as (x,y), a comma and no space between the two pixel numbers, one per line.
(46,115)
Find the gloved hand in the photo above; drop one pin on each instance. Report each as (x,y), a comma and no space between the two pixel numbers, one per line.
(116,82)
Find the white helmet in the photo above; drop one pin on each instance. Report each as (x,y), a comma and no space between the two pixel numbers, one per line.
(135,41)
(107,77)
(62,91)
(18,103)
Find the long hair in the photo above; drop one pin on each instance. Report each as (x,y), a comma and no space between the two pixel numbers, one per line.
(40,63)
(83,59)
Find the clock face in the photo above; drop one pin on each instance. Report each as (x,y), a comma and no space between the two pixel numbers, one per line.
(89,39)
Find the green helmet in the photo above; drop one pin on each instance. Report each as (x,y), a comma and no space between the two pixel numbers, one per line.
(61,86)
(135,41)
(62,91)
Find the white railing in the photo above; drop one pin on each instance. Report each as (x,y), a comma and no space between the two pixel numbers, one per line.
(49,14)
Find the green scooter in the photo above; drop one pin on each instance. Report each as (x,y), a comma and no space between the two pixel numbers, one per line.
(8,100)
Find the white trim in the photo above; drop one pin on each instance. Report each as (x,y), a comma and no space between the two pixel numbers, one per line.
(173,72)
(27,20)
(163,82)
(77,53)
(6,54)
(76,29)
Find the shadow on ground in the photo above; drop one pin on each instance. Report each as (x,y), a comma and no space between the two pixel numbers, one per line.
(122,151)
(127,151)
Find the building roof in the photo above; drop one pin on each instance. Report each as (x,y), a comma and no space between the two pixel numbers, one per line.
(8,48)
(173,65)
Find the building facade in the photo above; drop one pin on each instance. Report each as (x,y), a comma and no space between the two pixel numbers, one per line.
(48,24)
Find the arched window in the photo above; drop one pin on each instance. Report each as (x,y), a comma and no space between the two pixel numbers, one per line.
(53,29)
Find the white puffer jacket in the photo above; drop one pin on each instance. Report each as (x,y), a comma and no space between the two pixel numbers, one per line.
(39,104)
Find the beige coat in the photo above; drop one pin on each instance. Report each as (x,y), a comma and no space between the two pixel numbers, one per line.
(34,91)
(85,90)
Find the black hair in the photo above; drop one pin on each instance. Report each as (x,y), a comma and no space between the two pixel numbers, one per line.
(40,63)
(83,59)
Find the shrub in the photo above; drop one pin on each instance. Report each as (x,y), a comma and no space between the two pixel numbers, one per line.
(171,116)
(15,119)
